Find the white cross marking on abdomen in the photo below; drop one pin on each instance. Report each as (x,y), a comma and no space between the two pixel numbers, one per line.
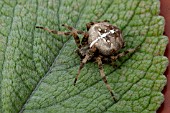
(101,36)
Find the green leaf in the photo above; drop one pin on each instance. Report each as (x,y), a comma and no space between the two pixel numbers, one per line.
(37,69)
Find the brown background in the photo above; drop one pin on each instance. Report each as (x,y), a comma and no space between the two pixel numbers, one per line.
(165,11)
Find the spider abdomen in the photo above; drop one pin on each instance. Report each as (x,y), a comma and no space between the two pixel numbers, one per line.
(106,38)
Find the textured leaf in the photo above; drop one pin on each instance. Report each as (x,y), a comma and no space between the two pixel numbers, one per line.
(38,68)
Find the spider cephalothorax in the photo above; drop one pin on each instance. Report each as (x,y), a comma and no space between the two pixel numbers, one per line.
(101,42)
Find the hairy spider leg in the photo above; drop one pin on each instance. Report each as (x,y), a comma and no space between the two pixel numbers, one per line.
(54,31)
(88,25)
(85,39)
(74,33)
(99,61)
(123,53)
(85,34)
(88,56)
(73,29)
(80,67)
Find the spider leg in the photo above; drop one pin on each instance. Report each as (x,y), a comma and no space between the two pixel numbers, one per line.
(85,39)
(75,33)
(88,56)
(73,29)
(123,53)
(88,25)
(99,61)
(54,31)
(80,67)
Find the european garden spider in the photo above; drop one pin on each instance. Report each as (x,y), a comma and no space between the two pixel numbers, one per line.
(101,43)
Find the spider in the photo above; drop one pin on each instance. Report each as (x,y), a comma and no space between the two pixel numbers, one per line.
(101,43)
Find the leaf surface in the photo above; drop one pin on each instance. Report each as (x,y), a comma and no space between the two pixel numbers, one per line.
(38,68)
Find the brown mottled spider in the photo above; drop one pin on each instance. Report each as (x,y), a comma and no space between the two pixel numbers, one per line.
(100,43)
